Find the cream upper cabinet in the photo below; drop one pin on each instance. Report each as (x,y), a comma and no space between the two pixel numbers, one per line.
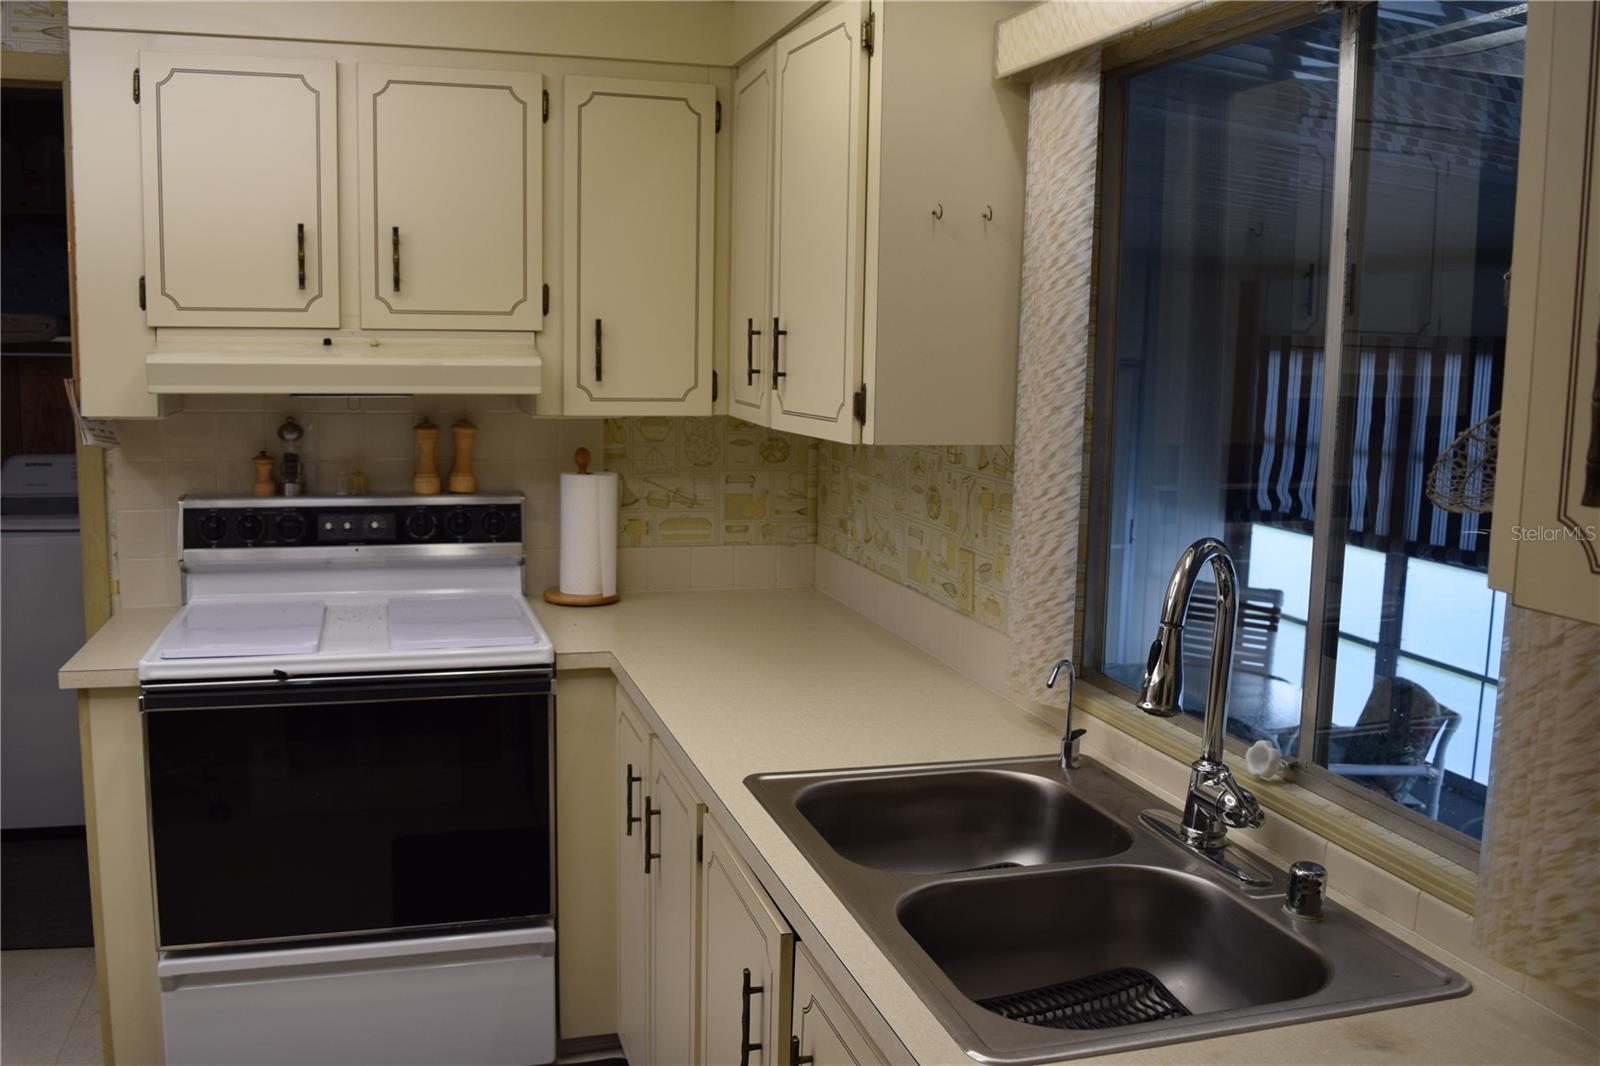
(638,284)
(1545,549)
(818,234)
(746,963)
(241,190)
(750,257)
(896,248)
(633,887)
(450,198)
(823,1028)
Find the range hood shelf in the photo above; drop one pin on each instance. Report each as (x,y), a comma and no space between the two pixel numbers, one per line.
(338,364)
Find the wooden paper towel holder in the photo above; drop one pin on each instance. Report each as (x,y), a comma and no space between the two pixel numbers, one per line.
(553,594)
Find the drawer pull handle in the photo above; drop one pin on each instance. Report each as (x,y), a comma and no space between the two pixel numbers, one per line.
(649,845)
(597,363)
(745,1046)
(750,335)
(795,1058)
(395,245)
(627,800)
(776,333)
(300,245)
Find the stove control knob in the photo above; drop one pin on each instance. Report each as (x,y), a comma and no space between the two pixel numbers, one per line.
(251,526)
(213,528)
(420,524)
(495,523)
(458,523)
(291,526)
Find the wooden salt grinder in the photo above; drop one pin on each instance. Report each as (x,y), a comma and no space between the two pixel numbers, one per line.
(263,484)
(462,478)
(425,478)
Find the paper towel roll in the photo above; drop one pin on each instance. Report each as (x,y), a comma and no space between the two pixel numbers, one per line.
(589,534)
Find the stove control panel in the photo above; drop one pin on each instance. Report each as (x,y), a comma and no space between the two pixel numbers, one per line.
(344,520)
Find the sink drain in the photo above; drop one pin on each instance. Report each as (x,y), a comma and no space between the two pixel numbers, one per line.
(1101,1001)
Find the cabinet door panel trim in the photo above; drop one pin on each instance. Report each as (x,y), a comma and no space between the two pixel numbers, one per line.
(377,271)
(699,210)
(161,206)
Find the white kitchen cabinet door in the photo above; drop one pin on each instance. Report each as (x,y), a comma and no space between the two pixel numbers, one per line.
(241,190)
(672,830)
(823,1028)
(746,963)
(450,198)
(750,364)
(633,887)
(639,176)
(1545,549)
(818,229)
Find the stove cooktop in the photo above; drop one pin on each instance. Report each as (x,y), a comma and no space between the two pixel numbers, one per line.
(350,633)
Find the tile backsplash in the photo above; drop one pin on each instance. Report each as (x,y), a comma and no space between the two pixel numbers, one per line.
(937,520)
(693,482)
(705,502)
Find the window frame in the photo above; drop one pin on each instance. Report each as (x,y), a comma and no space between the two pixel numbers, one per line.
(1356,32)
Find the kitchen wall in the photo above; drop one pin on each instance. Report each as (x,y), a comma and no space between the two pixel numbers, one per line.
(704,502)
(936,520)
(206,449)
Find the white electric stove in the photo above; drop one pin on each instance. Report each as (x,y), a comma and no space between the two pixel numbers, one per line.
(349,737)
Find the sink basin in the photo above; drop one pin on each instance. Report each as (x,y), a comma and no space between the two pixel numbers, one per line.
(1039,920)
(945,821)
(995,938)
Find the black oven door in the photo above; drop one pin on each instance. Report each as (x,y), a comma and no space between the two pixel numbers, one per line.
(320,807)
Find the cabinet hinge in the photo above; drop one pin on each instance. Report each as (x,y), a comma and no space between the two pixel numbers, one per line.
(700,849)
(868,26)
(719,117)
(860,404)
(544,95)
(135,84)
(546,299)
(713,386)
(141,292)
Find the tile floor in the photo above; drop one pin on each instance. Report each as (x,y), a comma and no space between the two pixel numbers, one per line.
(49,1012)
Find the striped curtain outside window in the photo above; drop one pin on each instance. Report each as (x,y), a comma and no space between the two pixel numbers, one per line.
(1406,402)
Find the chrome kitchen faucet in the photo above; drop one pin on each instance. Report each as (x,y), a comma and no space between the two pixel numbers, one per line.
(1215,800)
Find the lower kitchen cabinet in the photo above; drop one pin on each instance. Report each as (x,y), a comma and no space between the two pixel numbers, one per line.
(825,1032)
(633,888)
(746,963)
(709,970)
(671,840)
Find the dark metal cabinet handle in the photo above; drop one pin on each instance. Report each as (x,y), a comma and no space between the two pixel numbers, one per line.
(300,244)
(597,364)
(745,1046)
(395,244)
(776,333)
(627,800)
(795,1058)
(750,335)
(649,844)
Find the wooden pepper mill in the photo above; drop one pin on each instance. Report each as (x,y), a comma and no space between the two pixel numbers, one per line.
(462,478)
(425,478)
(263,484)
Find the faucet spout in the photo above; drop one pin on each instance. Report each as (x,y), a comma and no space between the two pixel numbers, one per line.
(1215,801)
(1163,676)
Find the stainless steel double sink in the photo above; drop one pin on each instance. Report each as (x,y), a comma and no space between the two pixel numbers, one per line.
(1000,890)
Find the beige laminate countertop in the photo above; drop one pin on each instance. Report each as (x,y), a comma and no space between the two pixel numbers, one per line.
(755,681)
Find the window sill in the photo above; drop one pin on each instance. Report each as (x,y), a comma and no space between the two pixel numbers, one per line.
(1410,862)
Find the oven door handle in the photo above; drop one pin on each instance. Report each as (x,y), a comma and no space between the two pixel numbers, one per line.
(350,688)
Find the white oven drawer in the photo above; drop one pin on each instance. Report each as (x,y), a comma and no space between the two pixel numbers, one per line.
(478,998)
